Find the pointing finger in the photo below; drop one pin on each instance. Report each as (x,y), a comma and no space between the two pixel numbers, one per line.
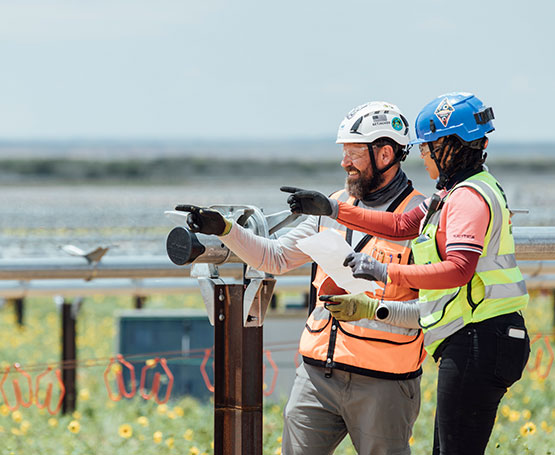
(187,208)
(290,189)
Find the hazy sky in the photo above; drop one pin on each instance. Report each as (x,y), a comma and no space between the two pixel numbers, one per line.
(244,69)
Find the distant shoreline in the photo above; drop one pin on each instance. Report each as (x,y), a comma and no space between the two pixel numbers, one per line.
(168,170)
(309,150)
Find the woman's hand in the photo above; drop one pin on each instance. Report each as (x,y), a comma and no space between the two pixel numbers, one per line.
(364,266)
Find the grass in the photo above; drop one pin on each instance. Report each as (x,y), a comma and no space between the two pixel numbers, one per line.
(184,426)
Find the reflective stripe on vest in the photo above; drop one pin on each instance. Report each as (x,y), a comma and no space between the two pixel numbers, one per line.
(367,347)
(497,286)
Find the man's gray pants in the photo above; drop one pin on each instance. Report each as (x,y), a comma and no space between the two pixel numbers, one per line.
(378,414)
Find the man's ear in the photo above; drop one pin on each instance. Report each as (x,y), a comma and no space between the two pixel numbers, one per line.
(386,154)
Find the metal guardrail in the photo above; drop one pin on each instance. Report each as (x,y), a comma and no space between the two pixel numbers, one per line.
(144,275)
(532,243)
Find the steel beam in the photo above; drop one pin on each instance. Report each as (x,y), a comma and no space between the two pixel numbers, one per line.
(237,376)
(69,357)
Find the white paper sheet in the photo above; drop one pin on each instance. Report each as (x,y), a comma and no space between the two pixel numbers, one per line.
(329,249)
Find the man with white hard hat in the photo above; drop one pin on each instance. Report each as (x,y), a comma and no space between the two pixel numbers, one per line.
(359,377)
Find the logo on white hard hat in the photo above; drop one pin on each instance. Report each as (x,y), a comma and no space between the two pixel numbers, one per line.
(397,124)
(443,111)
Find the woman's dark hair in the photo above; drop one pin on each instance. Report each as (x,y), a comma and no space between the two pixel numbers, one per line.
(456,156)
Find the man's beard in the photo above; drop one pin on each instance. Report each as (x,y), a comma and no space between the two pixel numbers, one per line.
(361,187)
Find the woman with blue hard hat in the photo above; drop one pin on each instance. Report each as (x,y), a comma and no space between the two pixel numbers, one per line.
(471,290)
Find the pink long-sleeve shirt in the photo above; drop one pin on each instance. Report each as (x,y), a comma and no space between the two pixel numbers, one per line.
(460,237)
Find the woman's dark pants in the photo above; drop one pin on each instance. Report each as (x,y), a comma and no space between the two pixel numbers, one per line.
(478,363)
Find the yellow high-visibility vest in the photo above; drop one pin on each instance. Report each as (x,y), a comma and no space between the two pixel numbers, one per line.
(497,286)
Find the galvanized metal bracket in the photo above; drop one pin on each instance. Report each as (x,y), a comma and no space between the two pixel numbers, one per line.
(256,300)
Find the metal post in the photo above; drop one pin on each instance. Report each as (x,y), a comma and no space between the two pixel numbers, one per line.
(140,301)
(237,376)
(19,310)
(69,357)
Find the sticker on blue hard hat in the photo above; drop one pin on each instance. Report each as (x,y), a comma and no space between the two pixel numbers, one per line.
(443,111)
(397,124)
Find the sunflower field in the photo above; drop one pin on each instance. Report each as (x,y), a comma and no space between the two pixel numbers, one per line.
(101,426)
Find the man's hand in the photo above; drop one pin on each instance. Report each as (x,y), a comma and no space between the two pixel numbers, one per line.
(364,266)
(205,220)
(307,202)
(350,307)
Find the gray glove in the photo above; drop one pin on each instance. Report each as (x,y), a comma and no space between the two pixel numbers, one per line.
(205,220)
(308,202)
(364,266)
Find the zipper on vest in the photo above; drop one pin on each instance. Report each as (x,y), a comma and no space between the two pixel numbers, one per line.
(328,369)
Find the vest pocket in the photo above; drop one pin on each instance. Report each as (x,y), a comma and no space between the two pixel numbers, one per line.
(318,320)
(512,355)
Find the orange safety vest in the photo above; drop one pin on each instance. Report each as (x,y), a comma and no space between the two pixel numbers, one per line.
(368,347)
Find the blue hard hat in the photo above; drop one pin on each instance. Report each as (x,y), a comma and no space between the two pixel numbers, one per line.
(454,113)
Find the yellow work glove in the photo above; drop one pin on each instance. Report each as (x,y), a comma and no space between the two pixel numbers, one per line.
(350,307)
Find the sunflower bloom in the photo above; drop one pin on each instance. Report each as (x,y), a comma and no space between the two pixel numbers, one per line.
(142,421)
(194,451)
(4,410)
(188,435)
(170,442)
(514,416)
(526,414)
(157,437)
(529,428)
(125,431)
(24,427)
(17,416)
(178,411)
(84,395)
(505,410)
(74,426)
(162,409)
(53,422)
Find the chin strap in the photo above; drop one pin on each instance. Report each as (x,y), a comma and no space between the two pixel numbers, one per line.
(398,158)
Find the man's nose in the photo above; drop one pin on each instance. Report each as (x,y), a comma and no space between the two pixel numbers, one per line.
(346,161)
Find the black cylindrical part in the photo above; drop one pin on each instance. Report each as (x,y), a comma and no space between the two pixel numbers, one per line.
(183,246)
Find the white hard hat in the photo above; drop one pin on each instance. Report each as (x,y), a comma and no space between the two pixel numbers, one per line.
(371,121)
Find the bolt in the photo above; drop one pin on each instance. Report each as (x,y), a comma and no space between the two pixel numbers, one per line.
(221,317)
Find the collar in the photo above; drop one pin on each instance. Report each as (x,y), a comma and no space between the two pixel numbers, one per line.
(461,176)
(392,189)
